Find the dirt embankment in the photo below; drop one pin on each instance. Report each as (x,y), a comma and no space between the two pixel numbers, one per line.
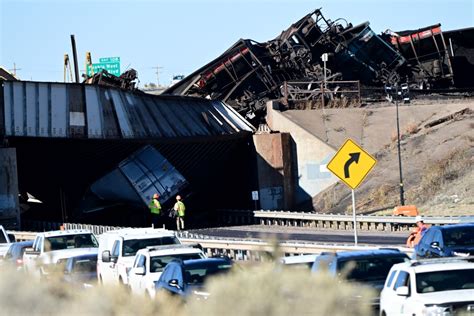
(437,164)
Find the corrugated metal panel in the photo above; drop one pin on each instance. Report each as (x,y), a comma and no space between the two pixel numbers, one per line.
(55,110)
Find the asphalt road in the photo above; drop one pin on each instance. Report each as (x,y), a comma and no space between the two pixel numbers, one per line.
(305,234)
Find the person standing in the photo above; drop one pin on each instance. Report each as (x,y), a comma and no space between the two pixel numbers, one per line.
(155,210)
(179,208)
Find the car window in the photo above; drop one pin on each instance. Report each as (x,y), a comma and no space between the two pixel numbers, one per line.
(131,246)
(135,262)
(141,261)
(450,280)
(116,249)
(462,236)
(2,238)
(39,244)
(369,269)
(390,278)
(403,279)
(198,273)
(158,263)
(71,241)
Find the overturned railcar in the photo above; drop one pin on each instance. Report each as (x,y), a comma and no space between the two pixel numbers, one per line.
(428,61)
(250,73)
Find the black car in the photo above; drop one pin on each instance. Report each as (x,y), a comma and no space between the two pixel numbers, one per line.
(446,241)
(187,277)
(81,270)
(14,254)
(368,267)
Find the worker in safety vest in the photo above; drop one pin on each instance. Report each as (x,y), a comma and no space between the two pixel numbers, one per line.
(155,209)
(179,208)
(417,232)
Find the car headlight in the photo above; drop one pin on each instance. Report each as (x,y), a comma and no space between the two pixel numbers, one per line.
(437,310)
(461,254)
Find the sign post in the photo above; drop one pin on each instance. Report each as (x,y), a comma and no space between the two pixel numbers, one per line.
(355,218)
(255,198)
(351,164)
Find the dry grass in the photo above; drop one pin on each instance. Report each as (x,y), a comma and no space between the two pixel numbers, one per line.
(263,289)
(411,128)
(444,171)
(382,195)
(270,290)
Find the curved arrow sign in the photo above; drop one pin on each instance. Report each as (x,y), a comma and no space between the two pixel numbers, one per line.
(351,164)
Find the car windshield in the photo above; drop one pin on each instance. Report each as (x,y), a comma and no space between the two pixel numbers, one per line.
(449,280)
(369,269)
(462,236)
(197,273)
(131,246)
(158,263)
(85,265)
(70,242)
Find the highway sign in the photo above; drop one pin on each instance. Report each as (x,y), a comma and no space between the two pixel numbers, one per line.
(351,164)
(111,64)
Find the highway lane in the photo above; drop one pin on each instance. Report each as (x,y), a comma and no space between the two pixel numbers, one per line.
(305,234)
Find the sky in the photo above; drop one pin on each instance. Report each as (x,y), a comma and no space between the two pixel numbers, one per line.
(179,36)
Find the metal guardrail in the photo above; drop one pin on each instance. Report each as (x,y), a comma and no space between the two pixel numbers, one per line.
(238,249)
(257,250)
(345,222)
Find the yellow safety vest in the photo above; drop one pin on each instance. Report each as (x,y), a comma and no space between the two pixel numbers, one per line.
(154,209)
(180,208)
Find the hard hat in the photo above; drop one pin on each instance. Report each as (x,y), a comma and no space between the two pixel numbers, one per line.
(178,197)
(156,195)
(418,219)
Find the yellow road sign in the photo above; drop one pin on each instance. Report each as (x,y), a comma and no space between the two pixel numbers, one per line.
(351,164)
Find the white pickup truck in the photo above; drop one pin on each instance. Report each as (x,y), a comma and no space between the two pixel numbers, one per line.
(54,247)
(150,262)
(117,251)
(5,240)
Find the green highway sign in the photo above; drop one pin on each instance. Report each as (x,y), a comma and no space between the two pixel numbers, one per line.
(109,60)
(111,64)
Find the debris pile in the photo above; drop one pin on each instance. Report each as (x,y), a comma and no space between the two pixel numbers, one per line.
(316,50)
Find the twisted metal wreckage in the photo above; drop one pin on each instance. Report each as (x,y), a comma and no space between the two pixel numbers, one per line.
(312,57)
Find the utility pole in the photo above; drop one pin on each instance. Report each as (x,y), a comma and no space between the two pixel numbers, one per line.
(406,99)
(14,69)
(402,197)
(157,74)
(74,55)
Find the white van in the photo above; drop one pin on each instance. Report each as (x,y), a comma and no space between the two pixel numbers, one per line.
(117,251)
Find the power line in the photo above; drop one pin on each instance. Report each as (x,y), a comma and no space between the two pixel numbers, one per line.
(157,74)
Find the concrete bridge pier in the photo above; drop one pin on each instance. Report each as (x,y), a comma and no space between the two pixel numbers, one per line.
(9,203)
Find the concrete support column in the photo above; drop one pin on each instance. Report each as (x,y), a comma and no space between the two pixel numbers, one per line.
(9,203)
(276,177)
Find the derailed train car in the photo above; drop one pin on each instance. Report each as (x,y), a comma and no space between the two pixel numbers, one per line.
(250,73)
